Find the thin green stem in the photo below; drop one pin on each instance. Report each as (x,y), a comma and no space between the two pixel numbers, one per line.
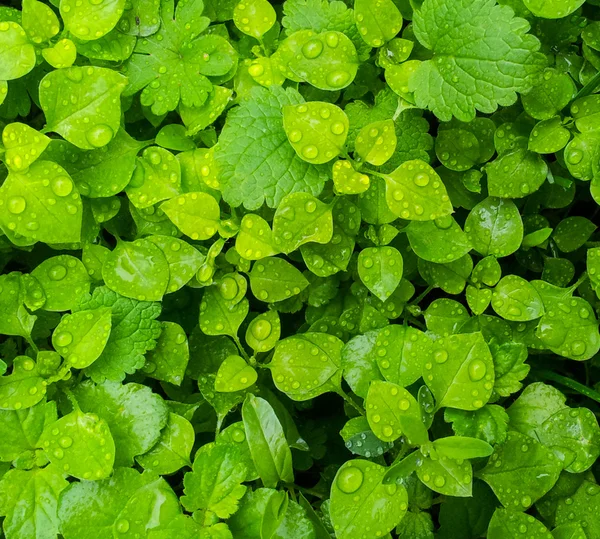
(69,394)
(350,401)
(308,491)
(241,348)
(374,173)
(32,344)
(422,295)
(588,88)
(581,280)
(570,383)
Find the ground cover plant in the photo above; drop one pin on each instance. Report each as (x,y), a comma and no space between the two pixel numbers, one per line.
(300,269)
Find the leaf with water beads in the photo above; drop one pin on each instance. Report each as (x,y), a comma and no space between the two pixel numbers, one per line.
(255,238)
(401,352)
(183,259)
(316,130)
(197,215)
(461,374)
(275,279)
(82,336)
(220,316)
(172,451)
(17,53)
(327,61)
(505,171)
(586,112)
(169,359)
(570,329)
(517,300)
(264,331)
(509,524)
(446,475)
(441,240)
(550,96)
(572,233)
(380,269)
(301,218)
(393,412)
(24,387)
(348,181)
(376,142)
(254,17)
(64,280)
(552,9)
(91,115)
(142,18)
(41,204)
(157,177)
(377,22)
(234,374)
(307,365)
(16,319)
(360,439)
(81,445)
(358,492)
(521,471)
(137,270)
(415,192)
(91,19)
(198,118)
(489,423)
(451,277)
(23,145)
(549,136)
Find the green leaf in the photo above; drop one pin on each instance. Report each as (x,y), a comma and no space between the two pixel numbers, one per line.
(135,415)
(41,204)
(126,503)
(392,412)
(360,439)
(462,371)
(198,118)
(30,499)
(254,17)
(461,447)
(268,446)
(440,241)
(445,316)
(24,387)
(81,444)
(548,98)
(18,53)
(195,214)
(572,233)
(235,374)
(415,192)
(447,476)
(169,359)
(65,282)
(87,20)
(526,471)
(552,9)
(257,164)
(16,319)
(489,423)
(464,76)
(303,375)
(264,331)
(134,331)
(400,352)
(376,142)
(380,269)
(82,336)
(505,172)
(549,136)
(301,218)
(260,514)
(255,238)
(172,451)
(506,524)
(157,177)
(377,23)
(581,154)
(359,363)
(364,479)
(143,19)
(23,145)
(517,300)
(220,316)
(494,227)
(274,279)
(137,270)
(95,95)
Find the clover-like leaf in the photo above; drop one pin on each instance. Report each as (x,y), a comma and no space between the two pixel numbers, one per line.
(235,374)
(380,269)
(81,444)
(393,412)
(195,214)
(82,336)
(365,479)
(264,331)
(461,373)
(464,75)
(415,192)
(95,93)
(299,219)
(137,270)
(305,366)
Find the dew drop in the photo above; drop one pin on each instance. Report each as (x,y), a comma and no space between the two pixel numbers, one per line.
(17,205)
(312,49)
(57,272)
(99,135)
(122,526)
(261,329)
(310,151)
(62,186)
(65,441)
(338,79)
(350,479)
(63,339)
(477,370)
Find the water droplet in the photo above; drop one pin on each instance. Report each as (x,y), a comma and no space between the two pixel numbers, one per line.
(238,436)
(338,128)
(63,339)
(312,49)
(261,329)
(66,442)
(367,262)
(526,501)
(310,151)
(57,272)
(332,39)
(229,288)
(338,79)
(388,431)
(574,157)
(441,356)
(421,179)
(256,70)
(350,479)
(439,481)
(17,205)
(99,135)
(62,186)
(404,404)
(578,348)
(58,453)
(477,370)
(122,526)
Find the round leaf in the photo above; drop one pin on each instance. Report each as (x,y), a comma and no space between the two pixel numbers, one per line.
(234,374)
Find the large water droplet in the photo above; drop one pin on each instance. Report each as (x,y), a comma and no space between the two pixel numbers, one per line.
(312,49)
(477,370)
(17,205)
(338,79)
(65,441)
(441,356)
(62,186)
(350,479)
(310,151)
(574,157)
(229,288)
(421,179)
(63,339)
(122,526)
(57,272)
(99,135)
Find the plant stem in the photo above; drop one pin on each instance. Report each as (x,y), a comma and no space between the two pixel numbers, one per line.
(308,491)
(347,398)
(589,88)
(71,397)
(241,348)
(420,297)
(32,344)
(570,383)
